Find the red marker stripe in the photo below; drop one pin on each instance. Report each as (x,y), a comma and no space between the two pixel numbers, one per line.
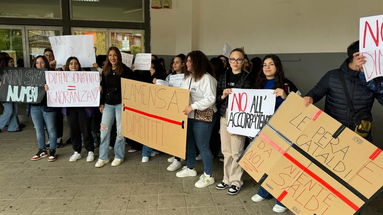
(316,115)
(282,196)
(375,154)
(153,116)
(309,172)
(71,89)
(71,86)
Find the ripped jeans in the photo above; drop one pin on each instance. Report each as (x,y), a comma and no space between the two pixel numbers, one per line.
(110,113)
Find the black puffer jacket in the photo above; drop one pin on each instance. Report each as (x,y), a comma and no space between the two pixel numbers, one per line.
(242,82)
(336,103)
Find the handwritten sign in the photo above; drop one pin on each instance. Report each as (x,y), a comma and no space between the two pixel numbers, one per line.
(80,46)
(73,89)
(152,115)
(312,163)
(127,59)
(249,111)
(371,45)
(143,61)
(24,85)
(176,80)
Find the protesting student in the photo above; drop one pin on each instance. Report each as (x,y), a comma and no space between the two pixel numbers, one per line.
(9,116)
(111,107)
(43,117)
(178,67)
(273,77)
(232,145)
(80,121)
(200,113)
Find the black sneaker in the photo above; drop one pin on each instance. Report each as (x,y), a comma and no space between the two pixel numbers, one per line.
(42,153)
(52,155)
(222,186)
(233,190)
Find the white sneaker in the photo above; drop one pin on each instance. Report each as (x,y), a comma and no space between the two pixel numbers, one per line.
(116,162)
(279,209)
(101,163)
(257,198)
(145,159)
(186,172)
(90,157)
(76,156)
(204,181)
(174,166)
(198,158)
(171,159)
(131,150)
(154,153)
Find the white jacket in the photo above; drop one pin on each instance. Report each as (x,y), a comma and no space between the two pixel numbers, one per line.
(202,92)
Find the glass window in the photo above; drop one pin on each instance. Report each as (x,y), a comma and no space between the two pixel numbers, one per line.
(128,41)
(99,38)
(110,10)
(11,41)
(38,40)
(49,9)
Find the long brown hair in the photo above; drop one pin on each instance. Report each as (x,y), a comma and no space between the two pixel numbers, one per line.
(108,66)
(279,75)
(200,65)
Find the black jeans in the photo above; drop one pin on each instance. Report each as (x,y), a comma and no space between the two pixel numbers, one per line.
(80,129)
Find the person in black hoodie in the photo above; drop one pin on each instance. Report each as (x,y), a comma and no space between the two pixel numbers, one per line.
(110,106)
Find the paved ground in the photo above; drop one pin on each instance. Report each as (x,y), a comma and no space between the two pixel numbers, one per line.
(61,187)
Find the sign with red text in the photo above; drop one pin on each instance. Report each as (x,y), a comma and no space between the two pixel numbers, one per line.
(152,115)
(143,61)
(249,110)
(312,163)
(371,45)
(73,89)
(80,46)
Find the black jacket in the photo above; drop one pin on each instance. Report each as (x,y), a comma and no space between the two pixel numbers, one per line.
(336,104)
(111,86)
(242,82)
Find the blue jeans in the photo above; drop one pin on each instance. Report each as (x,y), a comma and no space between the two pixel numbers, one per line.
(9,117)
(146,151)
(198,136)
(264,194)
(110,113)
(44,119)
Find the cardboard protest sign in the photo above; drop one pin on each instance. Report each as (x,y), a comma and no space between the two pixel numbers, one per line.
(127,59)
(249,111)
(80,46)
(176,80)
(143,61)
(152,115)
(371,45)
(73,89)
(24,85)
(322,168)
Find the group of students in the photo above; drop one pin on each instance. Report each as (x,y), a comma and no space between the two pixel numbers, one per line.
(209,90)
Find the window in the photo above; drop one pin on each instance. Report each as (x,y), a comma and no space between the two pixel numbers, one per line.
(110,10)
(128,41)
(99,38)
(11,41)
(47,9)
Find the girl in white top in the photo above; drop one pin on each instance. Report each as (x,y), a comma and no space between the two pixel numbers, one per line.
(202,88)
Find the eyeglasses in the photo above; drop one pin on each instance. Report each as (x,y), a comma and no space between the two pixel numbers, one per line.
(239,60)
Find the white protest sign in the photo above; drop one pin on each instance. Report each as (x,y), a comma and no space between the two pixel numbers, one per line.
(80,46)
(371,45)
(143,61)
(249,110)
(162,82)
(176,80)
(226,50)
(127,59)
(73,89)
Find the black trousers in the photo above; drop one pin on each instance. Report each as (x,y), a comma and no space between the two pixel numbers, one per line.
(80,129)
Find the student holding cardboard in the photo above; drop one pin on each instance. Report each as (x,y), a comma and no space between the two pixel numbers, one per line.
(232,146)
(200,112)
(273,77)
